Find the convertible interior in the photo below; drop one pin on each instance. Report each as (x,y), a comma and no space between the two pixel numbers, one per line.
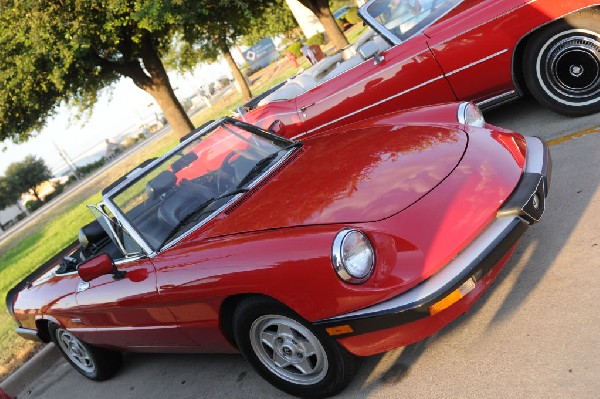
(328,68)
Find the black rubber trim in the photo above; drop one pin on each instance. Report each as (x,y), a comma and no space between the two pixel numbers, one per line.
(480,266)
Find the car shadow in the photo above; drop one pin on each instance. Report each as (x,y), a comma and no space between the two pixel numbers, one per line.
(535,256)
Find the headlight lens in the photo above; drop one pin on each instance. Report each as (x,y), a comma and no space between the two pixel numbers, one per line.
(353,256)
(470,114)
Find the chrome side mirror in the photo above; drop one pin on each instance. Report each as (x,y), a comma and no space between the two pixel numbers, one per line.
(370,50)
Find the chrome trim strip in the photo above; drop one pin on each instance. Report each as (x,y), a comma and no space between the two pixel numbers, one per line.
(368,107)
(489,57)
(445,277)
(499,99)
(101,329)
(534,161)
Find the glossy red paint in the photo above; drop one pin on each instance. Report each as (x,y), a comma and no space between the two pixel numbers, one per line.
(421,191)
(384,340)
(94,268)
(473,53)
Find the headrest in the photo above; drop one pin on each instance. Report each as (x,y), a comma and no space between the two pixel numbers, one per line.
(184,161)
(160,184)
(91,233)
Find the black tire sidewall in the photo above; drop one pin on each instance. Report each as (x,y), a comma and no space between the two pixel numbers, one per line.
(341,363)
(106,363)
(536,52)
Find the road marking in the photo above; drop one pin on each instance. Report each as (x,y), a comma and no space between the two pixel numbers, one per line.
(572,136)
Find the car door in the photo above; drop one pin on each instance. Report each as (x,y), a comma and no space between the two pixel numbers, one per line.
(127,312)
(407,76)
(475,45)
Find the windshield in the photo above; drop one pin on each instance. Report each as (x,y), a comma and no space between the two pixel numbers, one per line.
(404,18)
(196,179)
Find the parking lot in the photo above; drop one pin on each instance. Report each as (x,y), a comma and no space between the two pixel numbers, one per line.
(534,334)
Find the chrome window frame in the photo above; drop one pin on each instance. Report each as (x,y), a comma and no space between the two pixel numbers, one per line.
(132,177)
(384,32)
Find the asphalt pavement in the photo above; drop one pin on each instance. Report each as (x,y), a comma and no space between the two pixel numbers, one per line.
(533,334)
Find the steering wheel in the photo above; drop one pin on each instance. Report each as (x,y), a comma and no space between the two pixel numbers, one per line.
(225,171)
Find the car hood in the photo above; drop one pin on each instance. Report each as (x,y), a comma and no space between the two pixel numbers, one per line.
(353,176)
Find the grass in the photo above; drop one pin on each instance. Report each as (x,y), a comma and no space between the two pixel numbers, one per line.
(37,242)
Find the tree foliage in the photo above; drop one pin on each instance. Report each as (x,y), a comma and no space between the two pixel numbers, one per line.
(276,19)
(216,33)
(7,198)
(25,176)
(58,51)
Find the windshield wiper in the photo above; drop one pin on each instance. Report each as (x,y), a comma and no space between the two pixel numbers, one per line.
(197,213)
(263,163)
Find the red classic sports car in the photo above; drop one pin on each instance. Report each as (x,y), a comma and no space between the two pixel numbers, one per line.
(422,52)
(299,254)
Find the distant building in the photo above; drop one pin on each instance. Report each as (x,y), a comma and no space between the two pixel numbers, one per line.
(9,216)
(111,149)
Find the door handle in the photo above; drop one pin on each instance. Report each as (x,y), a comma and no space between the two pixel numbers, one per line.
(305,107)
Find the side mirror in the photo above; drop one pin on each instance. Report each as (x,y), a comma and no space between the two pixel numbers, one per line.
(99,266)
(370,49)
(277,127)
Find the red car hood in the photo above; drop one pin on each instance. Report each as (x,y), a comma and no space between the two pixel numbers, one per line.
(349,177)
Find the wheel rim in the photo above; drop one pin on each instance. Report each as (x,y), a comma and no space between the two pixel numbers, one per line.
(572,67)
(75,350)
(288,349)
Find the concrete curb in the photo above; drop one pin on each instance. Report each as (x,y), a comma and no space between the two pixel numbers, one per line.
(31,370)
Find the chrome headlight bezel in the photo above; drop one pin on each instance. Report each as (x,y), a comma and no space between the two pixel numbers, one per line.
(469,114)
(340,265)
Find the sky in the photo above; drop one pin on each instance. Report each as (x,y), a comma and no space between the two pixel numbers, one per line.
(126,107)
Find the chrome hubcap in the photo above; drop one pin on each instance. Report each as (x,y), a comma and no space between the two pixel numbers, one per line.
(288,349)
(573,66)
(76,352)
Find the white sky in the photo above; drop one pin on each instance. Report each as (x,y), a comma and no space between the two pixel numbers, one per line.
(123,109)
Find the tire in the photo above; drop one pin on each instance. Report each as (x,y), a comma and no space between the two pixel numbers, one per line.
(94,363)
(562,65)
(290,353)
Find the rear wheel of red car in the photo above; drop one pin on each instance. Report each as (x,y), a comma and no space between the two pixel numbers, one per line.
(562,65)
(94,363)
(290,353)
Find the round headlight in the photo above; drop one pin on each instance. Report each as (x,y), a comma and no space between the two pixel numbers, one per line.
(353,256)
(470,114)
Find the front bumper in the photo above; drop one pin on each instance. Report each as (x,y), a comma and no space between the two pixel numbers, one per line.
(467,272)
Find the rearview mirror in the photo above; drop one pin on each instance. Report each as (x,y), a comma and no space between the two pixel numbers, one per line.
(101,265)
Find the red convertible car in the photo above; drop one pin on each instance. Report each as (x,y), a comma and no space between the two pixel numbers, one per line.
(421,52)
(301,255)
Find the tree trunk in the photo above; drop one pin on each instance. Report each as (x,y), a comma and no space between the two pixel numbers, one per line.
(153,78)
(237,75)
(334,32)
(322,11)
(35,194)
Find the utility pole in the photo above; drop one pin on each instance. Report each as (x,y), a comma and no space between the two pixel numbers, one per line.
(68,161)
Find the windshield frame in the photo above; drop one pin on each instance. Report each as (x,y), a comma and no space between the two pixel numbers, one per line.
(147,167)
(385,32)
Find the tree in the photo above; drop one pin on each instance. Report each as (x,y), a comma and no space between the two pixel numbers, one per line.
(323,13)
(215,33)
(276,19)
(6,197)
(56,51)
(25,176)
